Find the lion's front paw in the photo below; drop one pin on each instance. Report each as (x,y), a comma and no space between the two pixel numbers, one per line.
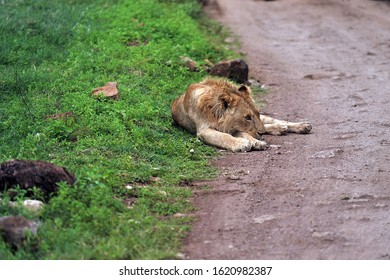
(303,128)
(259,145)
(241,145)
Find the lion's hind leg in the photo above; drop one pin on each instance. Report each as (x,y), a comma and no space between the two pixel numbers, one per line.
(279,127)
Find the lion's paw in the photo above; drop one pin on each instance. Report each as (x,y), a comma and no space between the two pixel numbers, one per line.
(281,129)
(303,128)
(241,145)
(259,145)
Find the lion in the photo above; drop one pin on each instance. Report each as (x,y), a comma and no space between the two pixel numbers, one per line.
(224,115)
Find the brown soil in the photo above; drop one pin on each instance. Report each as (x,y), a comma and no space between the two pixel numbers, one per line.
(325,195)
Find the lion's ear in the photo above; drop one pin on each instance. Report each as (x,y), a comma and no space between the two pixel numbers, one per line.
(226,101)
(244,89)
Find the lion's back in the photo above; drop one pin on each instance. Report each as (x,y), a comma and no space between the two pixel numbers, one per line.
(183,110)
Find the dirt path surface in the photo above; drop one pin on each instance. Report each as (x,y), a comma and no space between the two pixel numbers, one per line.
(325,195)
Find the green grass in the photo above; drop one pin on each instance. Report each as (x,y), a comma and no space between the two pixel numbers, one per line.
(52,55)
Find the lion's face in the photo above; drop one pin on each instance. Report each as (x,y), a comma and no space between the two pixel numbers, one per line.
(241,114)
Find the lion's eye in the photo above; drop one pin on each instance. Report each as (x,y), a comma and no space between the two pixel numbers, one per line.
(248,118)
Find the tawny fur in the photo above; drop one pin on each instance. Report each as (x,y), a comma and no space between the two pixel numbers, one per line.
(224,115)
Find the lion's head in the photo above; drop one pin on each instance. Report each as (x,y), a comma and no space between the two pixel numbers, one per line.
(232,107)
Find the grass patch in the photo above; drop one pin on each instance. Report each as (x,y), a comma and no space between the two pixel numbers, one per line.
(52,55)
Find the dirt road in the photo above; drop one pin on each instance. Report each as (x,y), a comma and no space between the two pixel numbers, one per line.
(325,195)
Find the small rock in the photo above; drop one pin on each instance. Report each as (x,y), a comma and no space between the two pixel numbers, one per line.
(181,215)
(155,179)
(264,218)
(385,142)
(327,153)
(380,205)
(29,204)
(326,235)
(14,229)
(130,202)
(191,64)
(163,193)
(255,83)
(180,256)
(230,40)
(109,90)
(244,172)
(234,177)
(275,146)
(33,205)
(236,70)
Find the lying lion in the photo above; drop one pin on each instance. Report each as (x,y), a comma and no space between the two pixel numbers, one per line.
(224,115)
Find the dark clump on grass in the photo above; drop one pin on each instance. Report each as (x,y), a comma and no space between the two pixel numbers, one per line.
(33,176)
(52,55)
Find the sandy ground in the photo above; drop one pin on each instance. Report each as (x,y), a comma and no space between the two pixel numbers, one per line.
(325,195)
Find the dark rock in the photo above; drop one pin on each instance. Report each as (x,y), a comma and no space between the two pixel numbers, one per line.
(236,70)
(14,229)
(30,173)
